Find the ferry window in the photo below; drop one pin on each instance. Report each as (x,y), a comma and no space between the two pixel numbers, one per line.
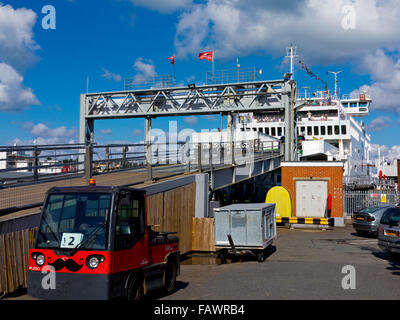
(316,131)
(344,130)
(323,130)
(267,131)
(254,129)
(242,129)
(336,129)
(279,131)
(329,130)
(303,130)
(309,131)
(273,132)
(260,129)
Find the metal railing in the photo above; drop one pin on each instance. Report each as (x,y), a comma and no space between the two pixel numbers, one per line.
(350,182)
(233,76)
(163,81)
(20,165)
(354,201)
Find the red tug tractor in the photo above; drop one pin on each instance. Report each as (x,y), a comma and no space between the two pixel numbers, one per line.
(95,243)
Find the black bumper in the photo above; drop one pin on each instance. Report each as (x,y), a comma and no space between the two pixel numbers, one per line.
(70,286)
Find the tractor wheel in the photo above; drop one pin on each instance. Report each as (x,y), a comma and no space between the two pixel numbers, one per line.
(170,277)
(135,290)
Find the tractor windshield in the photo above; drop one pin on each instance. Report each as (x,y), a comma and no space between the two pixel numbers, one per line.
(74,220)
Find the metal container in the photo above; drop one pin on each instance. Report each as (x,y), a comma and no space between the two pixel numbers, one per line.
(251,226)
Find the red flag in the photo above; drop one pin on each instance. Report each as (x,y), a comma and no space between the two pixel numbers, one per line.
(206,55)
(172,59)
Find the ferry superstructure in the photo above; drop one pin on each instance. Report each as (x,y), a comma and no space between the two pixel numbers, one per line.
(328,129)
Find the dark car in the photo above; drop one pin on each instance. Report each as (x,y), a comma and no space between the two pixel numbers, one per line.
(389,230)
(366,221)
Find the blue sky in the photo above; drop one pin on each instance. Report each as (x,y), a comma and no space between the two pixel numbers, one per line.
(109,40)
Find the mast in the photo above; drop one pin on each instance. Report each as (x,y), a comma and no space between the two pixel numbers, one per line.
(336,81)
(291,54)
(340,131)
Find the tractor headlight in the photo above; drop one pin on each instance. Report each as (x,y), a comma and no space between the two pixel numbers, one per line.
(40,260)
(93,262)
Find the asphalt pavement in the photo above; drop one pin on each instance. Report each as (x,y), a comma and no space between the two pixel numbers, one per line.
(307,264)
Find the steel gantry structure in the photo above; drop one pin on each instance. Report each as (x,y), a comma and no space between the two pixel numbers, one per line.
(227,99)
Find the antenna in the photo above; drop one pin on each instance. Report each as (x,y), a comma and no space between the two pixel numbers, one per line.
(336,81)
(291,54)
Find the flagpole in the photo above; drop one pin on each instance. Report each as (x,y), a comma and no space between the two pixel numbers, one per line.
(213,65)
(174,74)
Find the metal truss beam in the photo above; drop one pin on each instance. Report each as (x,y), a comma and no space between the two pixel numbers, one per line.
(192,100)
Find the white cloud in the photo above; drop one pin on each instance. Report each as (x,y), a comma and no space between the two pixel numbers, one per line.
(192,120)
(387,153)
(17,46)
(145,70)
(17,52)
(385,75)
(111,76)
(14,96)
(106,131)
(234,27)
(40,130)
(163,6)
(379,124)
(43,135)
(137,132)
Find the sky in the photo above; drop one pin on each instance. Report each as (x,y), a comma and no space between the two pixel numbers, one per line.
(51,55)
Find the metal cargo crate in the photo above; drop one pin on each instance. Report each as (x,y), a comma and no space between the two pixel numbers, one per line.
(250,226)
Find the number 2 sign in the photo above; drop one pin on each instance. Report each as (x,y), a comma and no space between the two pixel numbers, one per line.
(71,240)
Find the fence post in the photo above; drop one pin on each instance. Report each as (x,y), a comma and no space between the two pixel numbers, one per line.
(88,162)
(124,150)
(262,150)
(199,157)
(210,156)
(233,153)
(36,153)
(108,158)
(187,154)
(149,159)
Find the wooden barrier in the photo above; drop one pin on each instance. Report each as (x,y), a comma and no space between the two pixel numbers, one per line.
(172,211)
(203,234)
(14,254)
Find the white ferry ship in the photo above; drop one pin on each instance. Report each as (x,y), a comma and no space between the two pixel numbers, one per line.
(328,129)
